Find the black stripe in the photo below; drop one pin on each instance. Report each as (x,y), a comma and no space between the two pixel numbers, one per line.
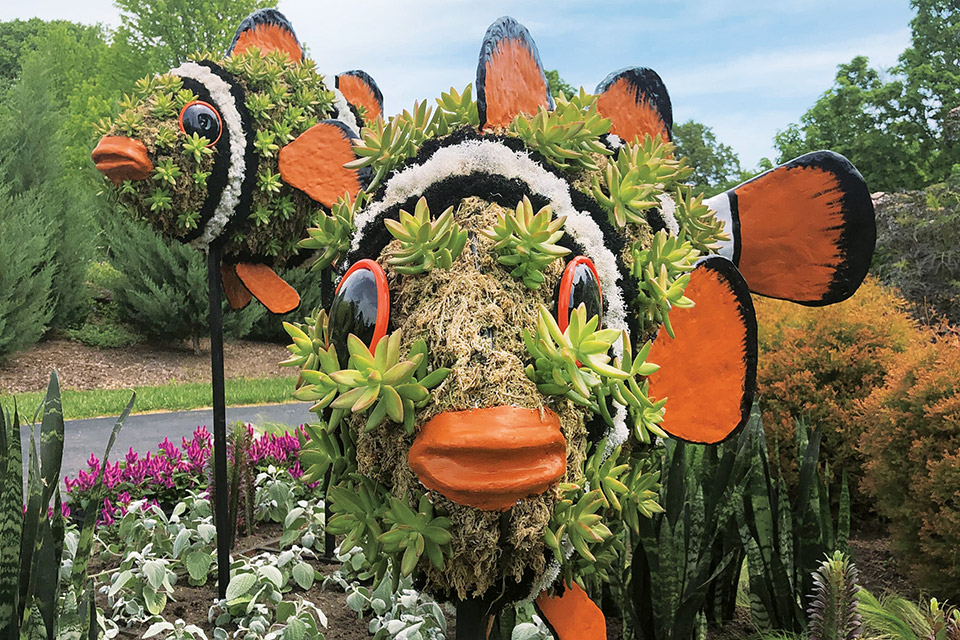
(251,160)
(735,224)
(505,28)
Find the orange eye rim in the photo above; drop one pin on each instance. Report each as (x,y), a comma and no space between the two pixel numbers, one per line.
(566,283)
(208,106)
(383,298)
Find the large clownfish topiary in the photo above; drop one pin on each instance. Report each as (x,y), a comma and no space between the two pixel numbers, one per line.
(241,152)
(528,294)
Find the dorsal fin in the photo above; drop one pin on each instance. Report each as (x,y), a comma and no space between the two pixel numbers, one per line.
(510,78)
(637,103)
(268,30)
(709,371)
(361,90)
(804,231)
(314,162)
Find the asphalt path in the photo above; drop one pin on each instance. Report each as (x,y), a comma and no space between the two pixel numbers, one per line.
(143,432)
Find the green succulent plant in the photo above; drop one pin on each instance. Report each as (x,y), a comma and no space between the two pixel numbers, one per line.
(663,271)
(568,135)
(697,222)
(166,171)
(632,183)
(385,145)
(416,534)
(527,241)
(425,244)
(456,109)
(575,516)
(334,230)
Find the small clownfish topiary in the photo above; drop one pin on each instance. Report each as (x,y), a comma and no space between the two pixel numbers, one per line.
(241,152)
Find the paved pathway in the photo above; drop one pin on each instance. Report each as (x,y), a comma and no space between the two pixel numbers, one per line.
(144,432)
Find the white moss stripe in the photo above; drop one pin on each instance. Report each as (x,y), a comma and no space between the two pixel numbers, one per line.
(223,100)
(667,213)
(720,205)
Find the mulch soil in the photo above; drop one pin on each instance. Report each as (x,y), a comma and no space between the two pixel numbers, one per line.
(82,367)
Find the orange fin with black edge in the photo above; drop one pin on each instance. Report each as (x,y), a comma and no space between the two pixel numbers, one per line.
(267,287)
(510,77)
(237,295)
(314,162)
(572,615)
(268,30)
(360,89)
(804,231)
(708,372)
(637,103)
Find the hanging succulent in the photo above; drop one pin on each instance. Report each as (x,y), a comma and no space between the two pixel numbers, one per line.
(332,234)
(425,244)
(527,241)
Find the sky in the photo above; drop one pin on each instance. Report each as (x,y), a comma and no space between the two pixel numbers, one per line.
(745,68)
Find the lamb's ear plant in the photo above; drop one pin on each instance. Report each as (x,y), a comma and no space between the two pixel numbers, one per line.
(425,244)
(527,241)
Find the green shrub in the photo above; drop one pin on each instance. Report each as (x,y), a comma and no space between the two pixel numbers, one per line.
(918,248)
(911,445)
(161,287)
(816,363)
(25,273)
(106,335)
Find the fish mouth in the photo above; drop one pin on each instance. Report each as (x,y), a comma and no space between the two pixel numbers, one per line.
(490,458)
(121,158)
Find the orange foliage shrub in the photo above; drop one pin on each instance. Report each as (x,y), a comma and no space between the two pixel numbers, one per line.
(819,361)
(911,449)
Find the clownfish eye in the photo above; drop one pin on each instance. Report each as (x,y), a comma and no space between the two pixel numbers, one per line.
(202,119)
(579,284)
(361,306)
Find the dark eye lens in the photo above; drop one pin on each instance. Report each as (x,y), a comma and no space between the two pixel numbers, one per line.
(580,284)
(361,306)
(202,119)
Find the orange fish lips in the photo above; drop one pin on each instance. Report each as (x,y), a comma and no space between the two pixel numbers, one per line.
(121,158)
(490,458)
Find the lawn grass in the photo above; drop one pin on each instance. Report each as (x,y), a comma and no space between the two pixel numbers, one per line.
(167,397)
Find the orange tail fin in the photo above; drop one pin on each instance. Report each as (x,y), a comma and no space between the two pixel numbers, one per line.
(267,287)
(709,371)
(804,231)
(572,615)
(637,104)
(268,30)
(510,78)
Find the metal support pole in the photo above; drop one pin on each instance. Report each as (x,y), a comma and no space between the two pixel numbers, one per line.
(470,620)
(329,540)
(219,422)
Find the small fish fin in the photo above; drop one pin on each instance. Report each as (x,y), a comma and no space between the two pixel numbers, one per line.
(637,104)
(510,78)
(314,162)
(708,371)
(237,295)
(804,231)
(267,287)
(361,90)
(268,30)
(572,615)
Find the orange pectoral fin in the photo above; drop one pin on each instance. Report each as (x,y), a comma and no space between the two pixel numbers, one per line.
(237,295)
(267,287)
(709,371)
(360,90)
(268,30)
(572,615)
(510,78)
(314,162)
(806,230)
(637,104)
